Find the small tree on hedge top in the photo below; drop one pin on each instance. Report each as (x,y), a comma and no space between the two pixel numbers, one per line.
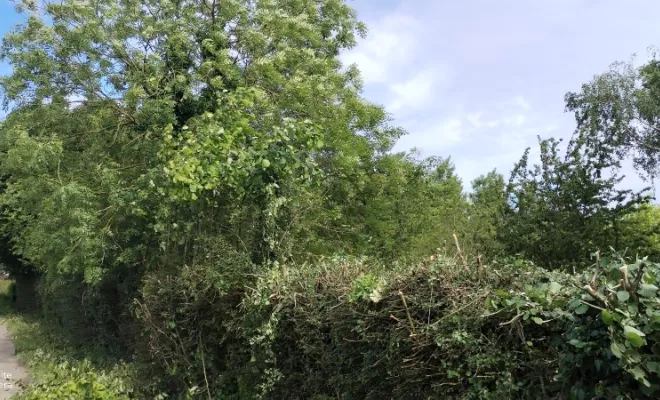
(561,210)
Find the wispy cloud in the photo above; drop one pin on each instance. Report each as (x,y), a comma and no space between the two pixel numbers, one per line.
(391,44)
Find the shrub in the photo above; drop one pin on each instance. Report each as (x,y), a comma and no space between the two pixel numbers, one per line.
(188,318)
(425,334)
(604,325)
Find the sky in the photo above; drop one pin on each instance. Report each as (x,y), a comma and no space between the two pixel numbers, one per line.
(479,80)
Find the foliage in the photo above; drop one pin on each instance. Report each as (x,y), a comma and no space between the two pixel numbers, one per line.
(560,211)
(187,322)
(607,319)
(78,382)
(62,370)
(486,210)
(413,207)
(639,232)
(200,188)
(617,114)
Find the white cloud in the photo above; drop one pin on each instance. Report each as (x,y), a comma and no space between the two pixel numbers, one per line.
(390,45)
(521,102)
(413,93)
(479,81)
(435,136)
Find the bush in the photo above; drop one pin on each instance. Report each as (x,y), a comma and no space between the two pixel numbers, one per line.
(189,318)
(606,324)
(354,329)
(342,328)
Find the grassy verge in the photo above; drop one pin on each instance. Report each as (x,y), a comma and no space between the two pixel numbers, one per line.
(58,370)
(5,297)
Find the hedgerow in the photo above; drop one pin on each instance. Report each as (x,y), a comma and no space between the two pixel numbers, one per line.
(352,329)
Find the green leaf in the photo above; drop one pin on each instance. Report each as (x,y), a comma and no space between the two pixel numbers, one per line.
(622,295)
(616,350)
(577,343)
(538,320)
(555,287)
(634,336)
(653,366)
(265,163)
(583,308)
(639,375)
(607,317)
(647,290)
(598,364)
(575,303)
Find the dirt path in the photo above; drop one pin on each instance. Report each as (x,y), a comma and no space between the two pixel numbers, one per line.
(11,370)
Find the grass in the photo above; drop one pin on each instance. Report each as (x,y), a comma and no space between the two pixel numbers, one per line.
(5,296)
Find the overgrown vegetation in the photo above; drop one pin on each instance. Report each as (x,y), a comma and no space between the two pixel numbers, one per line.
(202,205)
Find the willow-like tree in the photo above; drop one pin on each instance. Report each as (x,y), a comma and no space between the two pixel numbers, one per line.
(618,114)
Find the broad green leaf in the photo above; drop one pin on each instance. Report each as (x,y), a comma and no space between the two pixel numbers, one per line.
(653,366)
(555,287)
(616,349)
(622,295)
(583,308)
(634,336)
(639,375)
(607,317)
(575,303)
(647,290)
(537,320)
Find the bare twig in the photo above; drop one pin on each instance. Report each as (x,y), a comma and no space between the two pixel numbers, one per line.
(591,305)
(460,309)
(410,321)
(597,271)
(638,279)
(595,294)
(206,381)
(514,319)
(626,282)
(460,254)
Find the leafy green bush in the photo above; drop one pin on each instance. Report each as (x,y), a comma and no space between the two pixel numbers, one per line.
(189,335)
(603,324)
(65,380)
(319,330)
(60,371)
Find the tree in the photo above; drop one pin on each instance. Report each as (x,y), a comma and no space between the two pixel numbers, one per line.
(560,211)
(640,232)
(487,203)
(618,114)
(129,117)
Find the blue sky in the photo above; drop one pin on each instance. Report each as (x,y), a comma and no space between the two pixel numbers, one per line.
(478,80)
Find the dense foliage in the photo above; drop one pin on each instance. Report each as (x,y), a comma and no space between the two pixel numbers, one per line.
(199,189)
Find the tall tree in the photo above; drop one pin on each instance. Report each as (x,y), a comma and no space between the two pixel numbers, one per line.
(618,114)
(129,117)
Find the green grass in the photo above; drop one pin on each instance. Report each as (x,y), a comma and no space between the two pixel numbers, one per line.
(5,297)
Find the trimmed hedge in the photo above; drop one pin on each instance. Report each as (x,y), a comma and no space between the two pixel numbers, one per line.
(342,328)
